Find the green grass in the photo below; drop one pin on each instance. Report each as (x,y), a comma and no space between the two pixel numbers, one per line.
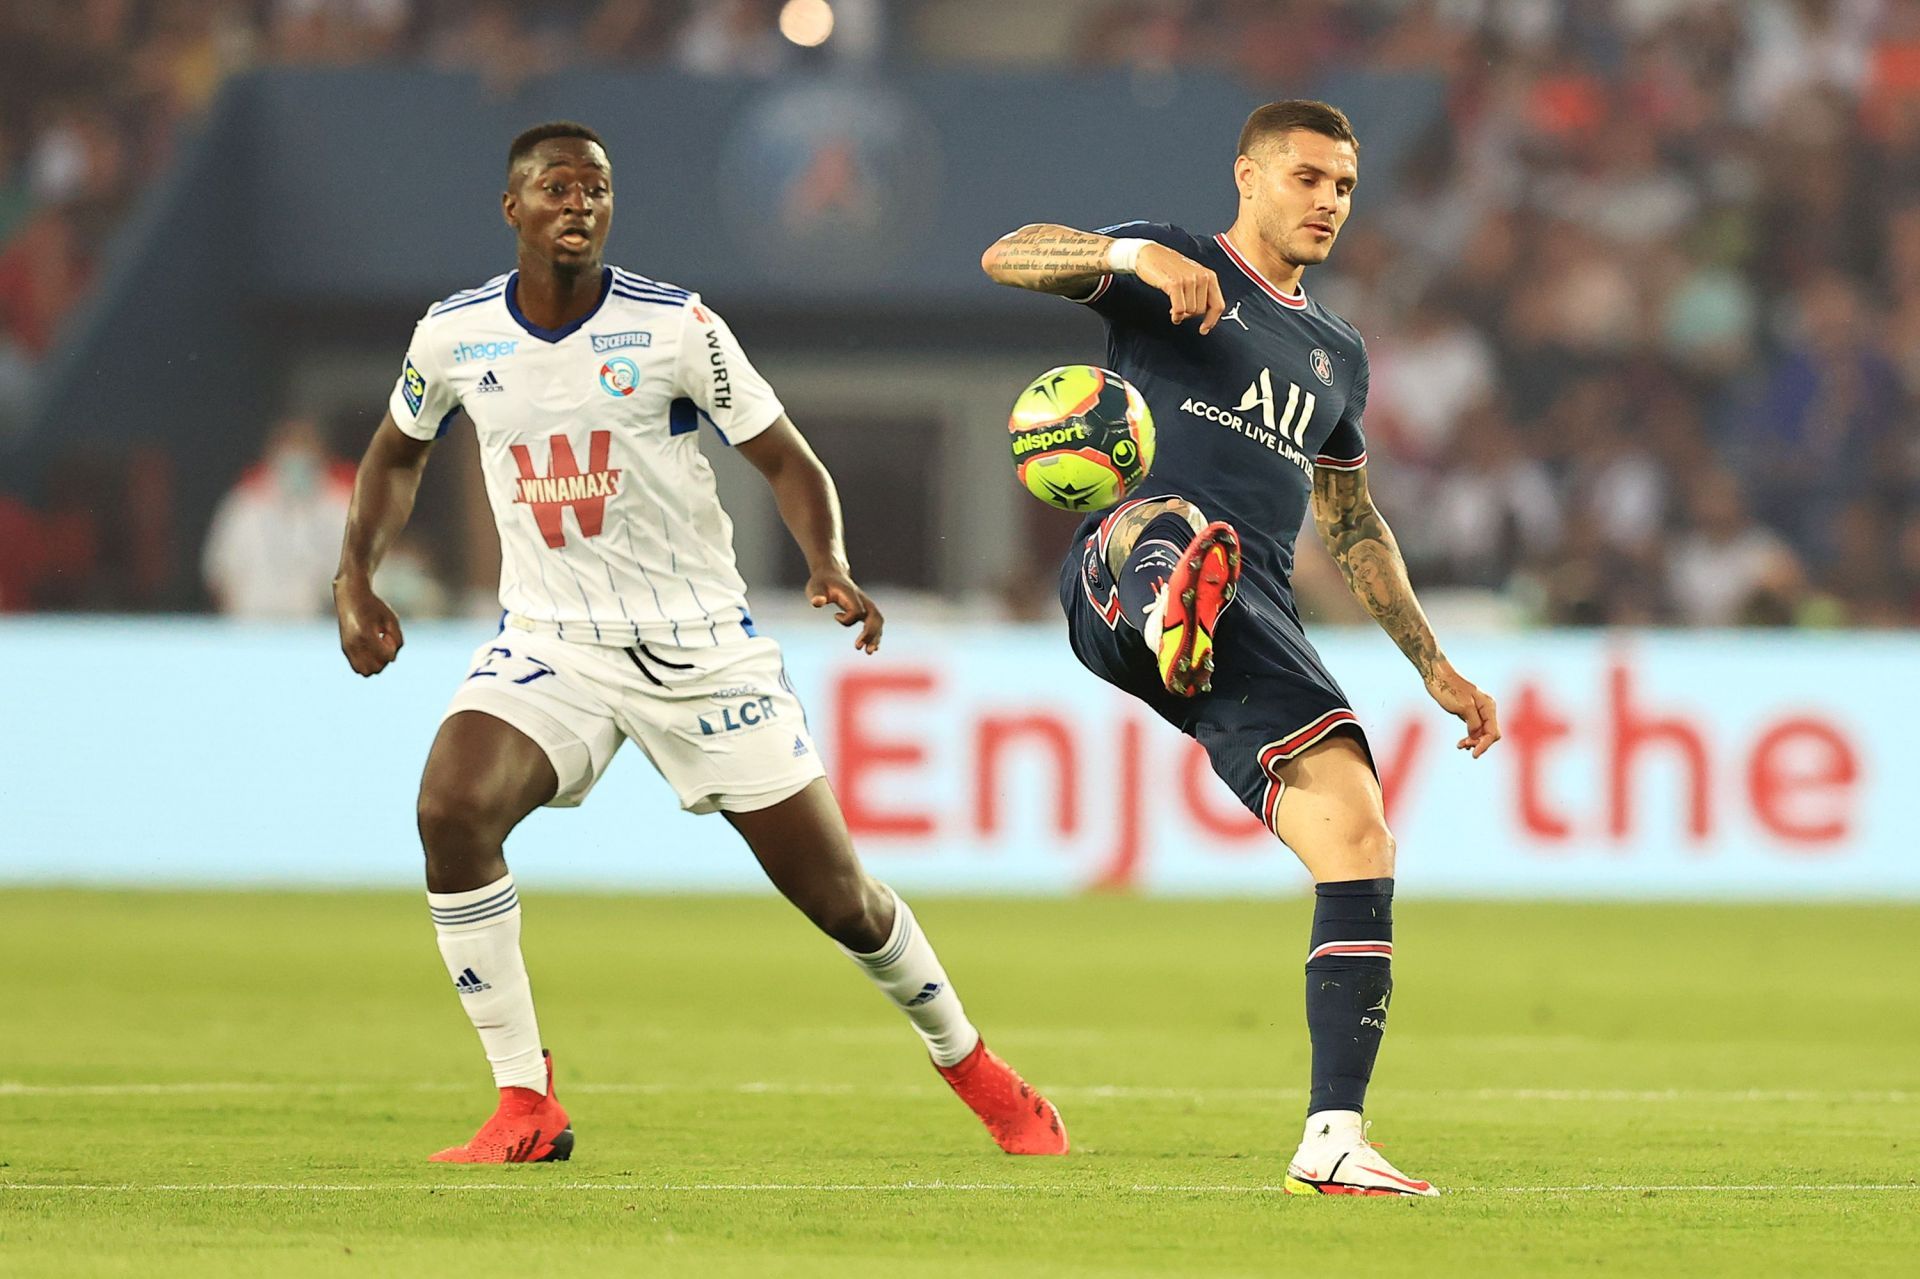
(249,1051)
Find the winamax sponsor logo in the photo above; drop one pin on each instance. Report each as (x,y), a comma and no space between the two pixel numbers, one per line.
(566,485)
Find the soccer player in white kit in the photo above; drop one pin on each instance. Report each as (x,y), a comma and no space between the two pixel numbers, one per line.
(625,618)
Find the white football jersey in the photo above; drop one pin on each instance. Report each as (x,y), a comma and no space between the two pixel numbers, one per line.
(610,529)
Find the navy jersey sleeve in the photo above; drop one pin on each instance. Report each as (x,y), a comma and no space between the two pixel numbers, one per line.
(1126,298)
(1346,446)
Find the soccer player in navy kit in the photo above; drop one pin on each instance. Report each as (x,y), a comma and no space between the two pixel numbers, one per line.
(1181,596)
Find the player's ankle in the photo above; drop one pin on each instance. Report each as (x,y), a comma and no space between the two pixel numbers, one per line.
(1322,1124)
(1154,623)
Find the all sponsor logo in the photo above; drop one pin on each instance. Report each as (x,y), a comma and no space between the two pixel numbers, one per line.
(619,377)
(464,351)
(604,342)
(1285,434)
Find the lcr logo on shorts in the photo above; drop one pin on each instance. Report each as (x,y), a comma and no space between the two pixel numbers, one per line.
(731,719)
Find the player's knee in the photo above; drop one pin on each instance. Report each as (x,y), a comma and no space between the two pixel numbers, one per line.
(1135,522)
(1374,849)
(453,824)
(1194,516)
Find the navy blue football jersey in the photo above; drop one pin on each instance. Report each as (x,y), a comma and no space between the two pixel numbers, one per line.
(1245,413)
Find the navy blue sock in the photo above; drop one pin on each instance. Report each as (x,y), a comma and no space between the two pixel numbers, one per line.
(1150,563)
(1349,978)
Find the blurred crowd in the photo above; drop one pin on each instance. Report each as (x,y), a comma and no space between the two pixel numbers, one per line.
(1644,307)
(94,95)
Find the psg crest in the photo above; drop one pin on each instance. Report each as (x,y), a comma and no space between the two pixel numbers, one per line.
(1322,366)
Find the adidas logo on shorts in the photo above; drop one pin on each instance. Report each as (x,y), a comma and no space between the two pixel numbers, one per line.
(799,746)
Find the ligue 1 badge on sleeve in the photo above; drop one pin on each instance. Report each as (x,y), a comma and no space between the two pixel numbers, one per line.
(413,387)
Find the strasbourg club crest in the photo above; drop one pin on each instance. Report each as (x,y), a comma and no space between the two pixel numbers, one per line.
(619,376)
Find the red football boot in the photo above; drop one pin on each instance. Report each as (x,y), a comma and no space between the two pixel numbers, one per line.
(1196,591)
(528,1128)
(1020,1119)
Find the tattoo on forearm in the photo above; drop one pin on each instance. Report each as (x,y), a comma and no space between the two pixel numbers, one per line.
(1051,259)
(1364,548)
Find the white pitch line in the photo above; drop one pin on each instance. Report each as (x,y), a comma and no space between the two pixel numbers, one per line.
(907,1187)
(1845,1188)
(1084,1092)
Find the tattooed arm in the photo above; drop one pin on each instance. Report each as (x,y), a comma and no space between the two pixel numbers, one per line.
(1364,548)
(1054,259)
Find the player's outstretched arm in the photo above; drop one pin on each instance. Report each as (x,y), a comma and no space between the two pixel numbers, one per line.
(383,493)
(1048,258)
(1364,547)
(811,508)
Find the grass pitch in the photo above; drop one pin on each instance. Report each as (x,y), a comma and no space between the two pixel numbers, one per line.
(248,1084)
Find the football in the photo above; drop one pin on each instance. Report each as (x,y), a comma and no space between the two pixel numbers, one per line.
(1082,437)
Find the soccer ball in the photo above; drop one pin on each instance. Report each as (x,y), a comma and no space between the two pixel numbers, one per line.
(1082,437)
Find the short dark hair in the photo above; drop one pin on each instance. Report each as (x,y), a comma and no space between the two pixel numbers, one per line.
(530,138)
(1279,118)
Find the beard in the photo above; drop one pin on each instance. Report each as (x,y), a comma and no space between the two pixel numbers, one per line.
(1312,253)
(1296,245)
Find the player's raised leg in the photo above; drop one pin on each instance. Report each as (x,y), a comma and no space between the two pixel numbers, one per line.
(803,845)
(1174,573)
(1330,813)
(482,777)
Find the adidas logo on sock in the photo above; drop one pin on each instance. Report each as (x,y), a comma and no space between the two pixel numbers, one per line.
(469,983)
(927,992)
(489,383)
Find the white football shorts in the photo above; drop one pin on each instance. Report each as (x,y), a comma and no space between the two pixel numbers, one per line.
(722,725)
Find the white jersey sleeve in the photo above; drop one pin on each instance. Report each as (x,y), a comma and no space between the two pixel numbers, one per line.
(423,400)
(716,375)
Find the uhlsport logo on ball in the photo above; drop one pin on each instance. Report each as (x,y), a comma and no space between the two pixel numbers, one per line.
(1082,437)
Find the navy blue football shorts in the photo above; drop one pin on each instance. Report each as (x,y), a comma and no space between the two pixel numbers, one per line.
(1272,696)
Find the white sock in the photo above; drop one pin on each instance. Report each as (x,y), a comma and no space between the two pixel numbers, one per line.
(909,973)
(479,935)
(1156,620)
(1324,1125)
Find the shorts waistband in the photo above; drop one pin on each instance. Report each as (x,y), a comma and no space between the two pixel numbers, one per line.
(707,634)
